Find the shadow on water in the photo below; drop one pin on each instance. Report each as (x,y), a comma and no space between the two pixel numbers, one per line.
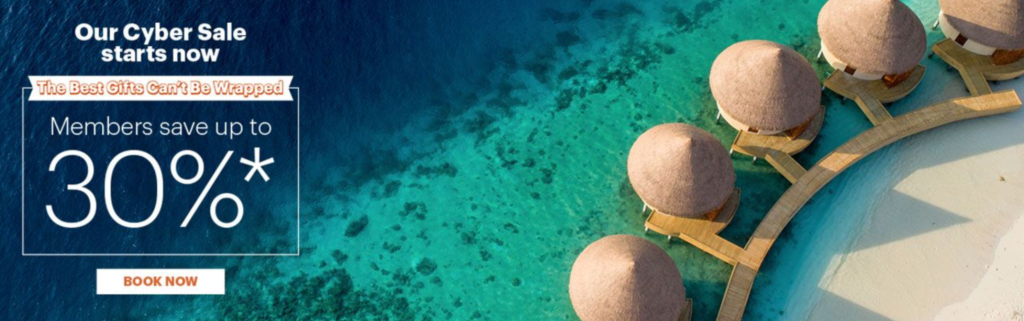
(914,210)
(843,306)
(793,246)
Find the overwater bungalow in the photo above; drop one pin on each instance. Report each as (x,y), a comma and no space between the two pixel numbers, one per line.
(875,47)
(771,95)
(985,40)
(624,277)
(685,176)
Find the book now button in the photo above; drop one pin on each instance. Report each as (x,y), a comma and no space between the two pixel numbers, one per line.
(160,281)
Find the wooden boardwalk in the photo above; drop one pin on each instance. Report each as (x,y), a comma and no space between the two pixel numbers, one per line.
(702,233)
(871,95)
(778,148)
(976,70)
(874,109)
(786,165)
(759,145)
(749,259)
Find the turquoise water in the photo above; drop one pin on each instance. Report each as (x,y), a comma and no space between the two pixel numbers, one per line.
(815,242)
(487,219)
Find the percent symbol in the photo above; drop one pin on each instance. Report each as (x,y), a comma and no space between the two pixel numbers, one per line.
(257,165)
(206,190)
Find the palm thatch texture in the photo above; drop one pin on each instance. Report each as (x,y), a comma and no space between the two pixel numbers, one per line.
(680,170)
(764,87)
(985,27)
(624,277)
(870,39)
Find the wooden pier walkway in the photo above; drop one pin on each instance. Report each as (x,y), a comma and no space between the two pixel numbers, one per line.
(748,261)
(786,165)
(976,70)
(874,109)
(759,145)
(778,148)
(700,232)
(871,95)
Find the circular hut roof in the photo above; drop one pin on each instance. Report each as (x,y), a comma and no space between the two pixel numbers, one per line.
(995,23)
(876,36)
(680,170)
(624,277)
(765,85)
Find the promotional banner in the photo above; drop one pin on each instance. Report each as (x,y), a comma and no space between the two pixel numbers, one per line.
(512,160)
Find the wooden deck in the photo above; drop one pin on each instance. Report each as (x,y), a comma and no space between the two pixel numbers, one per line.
(851,88)
(786,165)
(701,233)
(874,109)
(749,259)
(687,313)
(976,70)
(778,148)
(737,292)
(871,95)
(759,145)
(668,224)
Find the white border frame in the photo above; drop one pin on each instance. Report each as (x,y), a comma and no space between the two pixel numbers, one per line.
(298,196)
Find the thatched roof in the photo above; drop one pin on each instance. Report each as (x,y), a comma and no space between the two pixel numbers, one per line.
(624,277)
(876,36)
(994,23)
(765,85)
(680,170)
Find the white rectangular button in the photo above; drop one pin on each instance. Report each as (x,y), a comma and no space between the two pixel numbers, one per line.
(160,281)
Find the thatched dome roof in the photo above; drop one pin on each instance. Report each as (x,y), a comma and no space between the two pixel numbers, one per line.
(765,85)
(994,23)
(680,170)
(876,36)
(624,277)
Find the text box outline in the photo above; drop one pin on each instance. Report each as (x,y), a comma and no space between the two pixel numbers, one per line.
(298,197)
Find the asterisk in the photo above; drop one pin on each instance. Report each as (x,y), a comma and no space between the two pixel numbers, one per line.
(257,165)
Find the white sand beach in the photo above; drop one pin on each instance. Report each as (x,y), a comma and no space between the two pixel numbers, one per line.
(947,241)
(999,295)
